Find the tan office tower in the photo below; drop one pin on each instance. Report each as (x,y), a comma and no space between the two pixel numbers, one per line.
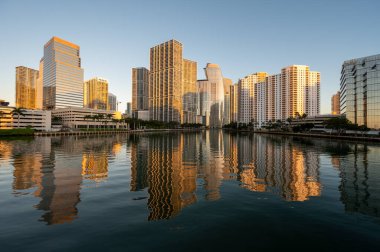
(227,83)
(335,104)
(63,75)
(189,91)
(300,91)
(40,86)
(26,88)
(165,83)
(234,102)
(247,94)
(95,93)
(140,89)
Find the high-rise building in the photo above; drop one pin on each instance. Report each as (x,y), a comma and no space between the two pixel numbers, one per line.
(335,104)
(40,86)
(27,88)
(227,83)
(112,102)
(140,89)
(165,82)
(360,91)
(300,91)
(63,75)
(246,96)
(211,96)
(189,91)
(128,111)
(261,104)
(95,93)
(234,103)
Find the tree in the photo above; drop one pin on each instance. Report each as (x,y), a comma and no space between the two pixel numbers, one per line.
(99,117)
(57,120)
(19,112)
(87,118)
(108,118)
(338,123)
(303,116)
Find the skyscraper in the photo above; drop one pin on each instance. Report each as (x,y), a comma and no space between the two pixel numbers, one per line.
(27,88)
(246,96)
(360,91)
(227,83)
(189,91)
(335,104)
(112,102)
(62,75)
(140,89)
(300,91)
(165,85)
(95,93)
(234,102)
(211,96)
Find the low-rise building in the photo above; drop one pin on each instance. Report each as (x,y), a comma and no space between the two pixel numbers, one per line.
(82,118)
(36,119)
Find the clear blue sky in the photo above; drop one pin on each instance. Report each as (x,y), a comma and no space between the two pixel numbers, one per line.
(241,36)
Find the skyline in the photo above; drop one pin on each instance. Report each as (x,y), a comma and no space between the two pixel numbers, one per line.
(265,40)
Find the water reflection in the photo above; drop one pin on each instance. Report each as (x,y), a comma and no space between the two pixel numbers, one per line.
(177,170)
(56,168)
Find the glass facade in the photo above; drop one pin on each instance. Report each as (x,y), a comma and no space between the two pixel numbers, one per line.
(112,102)
(360,91)
(62,75)
(140,89)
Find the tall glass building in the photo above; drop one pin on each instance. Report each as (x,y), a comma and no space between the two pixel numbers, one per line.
(140,89)
(112,102)
(62,75)
(360,91)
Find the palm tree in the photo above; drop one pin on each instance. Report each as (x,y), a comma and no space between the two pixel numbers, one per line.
(304,115)
(108,118)
(19,112)
(87,117)
(99,117)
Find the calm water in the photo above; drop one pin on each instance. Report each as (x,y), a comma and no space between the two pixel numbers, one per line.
(204,191)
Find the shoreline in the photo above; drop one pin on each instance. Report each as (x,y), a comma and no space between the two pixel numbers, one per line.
(313,135)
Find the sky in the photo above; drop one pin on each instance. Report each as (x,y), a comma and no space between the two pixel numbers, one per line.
(242,36)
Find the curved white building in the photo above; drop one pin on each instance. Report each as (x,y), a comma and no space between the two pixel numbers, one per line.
(211,97)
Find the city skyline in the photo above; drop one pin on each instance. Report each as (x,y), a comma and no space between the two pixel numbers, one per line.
(325,45)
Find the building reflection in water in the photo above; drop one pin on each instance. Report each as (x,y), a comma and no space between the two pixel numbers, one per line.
(55,169)
(169,166)
(360,180)
(177,169)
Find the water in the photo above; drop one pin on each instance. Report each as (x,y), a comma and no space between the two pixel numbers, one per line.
(202,191)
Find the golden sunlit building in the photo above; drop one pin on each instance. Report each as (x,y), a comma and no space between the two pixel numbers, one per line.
(165,82)
(234,102)
(300,91)
(28,89)
(335,104)
(140,90)
(189,91)
(95,93)
(227,83)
